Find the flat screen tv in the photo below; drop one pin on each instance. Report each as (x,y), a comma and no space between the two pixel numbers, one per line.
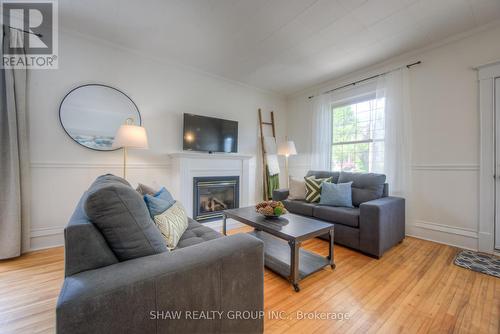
(209,134)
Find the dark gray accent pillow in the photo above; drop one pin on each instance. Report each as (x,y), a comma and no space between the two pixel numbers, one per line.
(110,178)
(122,217)
(365,186)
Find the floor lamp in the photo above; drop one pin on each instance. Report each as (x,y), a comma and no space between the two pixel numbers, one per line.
(287,149)
(130,136)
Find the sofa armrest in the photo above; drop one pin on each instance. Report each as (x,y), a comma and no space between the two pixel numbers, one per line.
(280,194)
(381,224)
(142,295)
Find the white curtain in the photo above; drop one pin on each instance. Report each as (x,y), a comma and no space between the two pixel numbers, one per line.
(394,88)
(321,149)
(14,156)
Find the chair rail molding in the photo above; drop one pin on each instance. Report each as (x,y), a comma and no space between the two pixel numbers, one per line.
(86,165)
(466,167)
(446,167)
(486,76)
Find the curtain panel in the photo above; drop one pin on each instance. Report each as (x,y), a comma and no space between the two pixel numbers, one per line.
(390,93)
(14,162)
(394,87)
(321,143)
(322,121)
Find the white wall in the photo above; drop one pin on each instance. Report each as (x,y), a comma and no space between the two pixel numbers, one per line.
(62,169)
(444,101)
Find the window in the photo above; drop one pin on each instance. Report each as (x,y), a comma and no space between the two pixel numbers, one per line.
(358,135)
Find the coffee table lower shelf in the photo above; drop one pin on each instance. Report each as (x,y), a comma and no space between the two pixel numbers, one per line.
(277,257)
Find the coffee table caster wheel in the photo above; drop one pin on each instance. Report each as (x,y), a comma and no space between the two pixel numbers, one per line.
(296,287)
(333,266)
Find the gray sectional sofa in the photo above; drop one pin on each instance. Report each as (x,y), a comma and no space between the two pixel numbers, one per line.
(206,272)
(375,223)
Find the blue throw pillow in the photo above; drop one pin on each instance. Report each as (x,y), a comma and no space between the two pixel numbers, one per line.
(336,194)
(159,202)
(164,194)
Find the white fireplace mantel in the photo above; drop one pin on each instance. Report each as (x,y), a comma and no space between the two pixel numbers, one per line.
(200,155)
(187,165)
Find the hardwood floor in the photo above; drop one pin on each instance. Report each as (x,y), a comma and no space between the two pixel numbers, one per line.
(414,288)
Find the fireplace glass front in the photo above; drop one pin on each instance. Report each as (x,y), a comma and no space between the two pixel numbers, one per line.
(212,195)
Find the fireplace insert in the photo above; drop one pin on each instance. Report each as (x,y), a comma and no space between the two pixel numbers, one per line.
(213,194)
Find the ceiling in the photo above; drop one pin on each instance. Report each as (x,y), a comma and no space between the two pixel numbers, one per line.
(278,45)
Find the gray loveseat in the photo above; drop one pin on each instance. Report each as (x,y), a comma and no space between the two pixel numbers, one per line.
(375,223)
(219,275)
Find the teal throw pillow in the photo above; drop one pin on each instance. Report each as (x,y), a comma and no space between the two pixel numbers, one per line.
(159,202)
(164,194)
(336,194)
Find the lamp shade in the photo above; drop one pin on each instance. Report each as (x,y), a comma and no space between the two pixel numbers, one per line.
(287,148)
(132,136)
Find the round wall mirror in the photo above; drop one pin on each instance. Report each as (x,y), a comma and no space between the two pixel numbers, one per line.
(92,114)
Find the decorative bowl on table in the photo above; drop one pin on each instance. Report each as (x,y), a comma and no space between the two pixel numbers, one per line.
(271,209)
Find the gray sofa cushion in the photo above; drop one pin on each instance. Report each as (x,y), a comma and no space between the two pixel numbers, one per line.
(345,235)
(196,233)
(319,174)
(85,247)
(344,216)
(365,186)
(122,217)
(299,207)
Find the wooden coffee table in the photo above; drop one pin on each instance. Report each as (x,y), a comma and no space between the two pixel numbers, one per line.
(282,238)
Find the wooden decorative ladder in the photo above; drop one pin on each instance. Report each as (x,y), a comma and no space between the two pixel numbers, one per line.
(263,150)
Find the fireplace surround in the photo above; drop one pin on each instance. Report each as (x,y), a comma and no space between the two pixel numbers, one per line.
(213,194)
(185,166)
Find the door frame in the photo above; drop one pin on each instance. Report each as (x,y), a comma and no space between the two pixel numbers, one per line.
(486,233)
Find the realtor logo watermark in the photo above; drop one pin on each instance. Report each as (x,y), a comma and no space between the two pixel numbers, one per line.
(30,34)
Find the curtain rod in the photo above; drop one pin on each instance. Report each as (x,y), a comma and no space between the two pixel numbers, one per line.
(25,31)
(365,79)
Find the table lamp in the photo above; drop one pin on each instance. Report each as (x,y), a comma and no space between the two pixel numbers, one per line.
(130,136)
(287,149)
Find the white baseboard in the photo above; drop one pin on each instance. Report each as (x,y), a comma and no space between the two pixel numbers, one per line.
(449,235)
(466,232)
(486,242)
(46,241)
(465,238)
(50,237)
(46,231)
(46,237)
(453,244)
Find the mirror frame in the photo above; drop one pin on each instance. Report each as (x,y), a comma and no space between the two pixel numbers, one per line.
(101,85)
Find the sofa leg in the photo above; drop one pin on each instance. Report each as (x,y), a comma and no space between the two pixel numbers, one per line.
(373,256)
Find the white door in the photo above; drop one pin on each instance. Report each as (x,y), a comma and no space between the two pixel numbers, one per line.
(497,163)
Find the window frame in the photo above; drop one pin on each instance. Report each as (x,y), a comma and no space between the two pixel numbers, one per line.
(372,95)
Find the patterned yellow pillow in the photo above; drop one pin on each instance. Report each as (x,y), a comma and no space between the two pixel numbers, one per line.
(172,224)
